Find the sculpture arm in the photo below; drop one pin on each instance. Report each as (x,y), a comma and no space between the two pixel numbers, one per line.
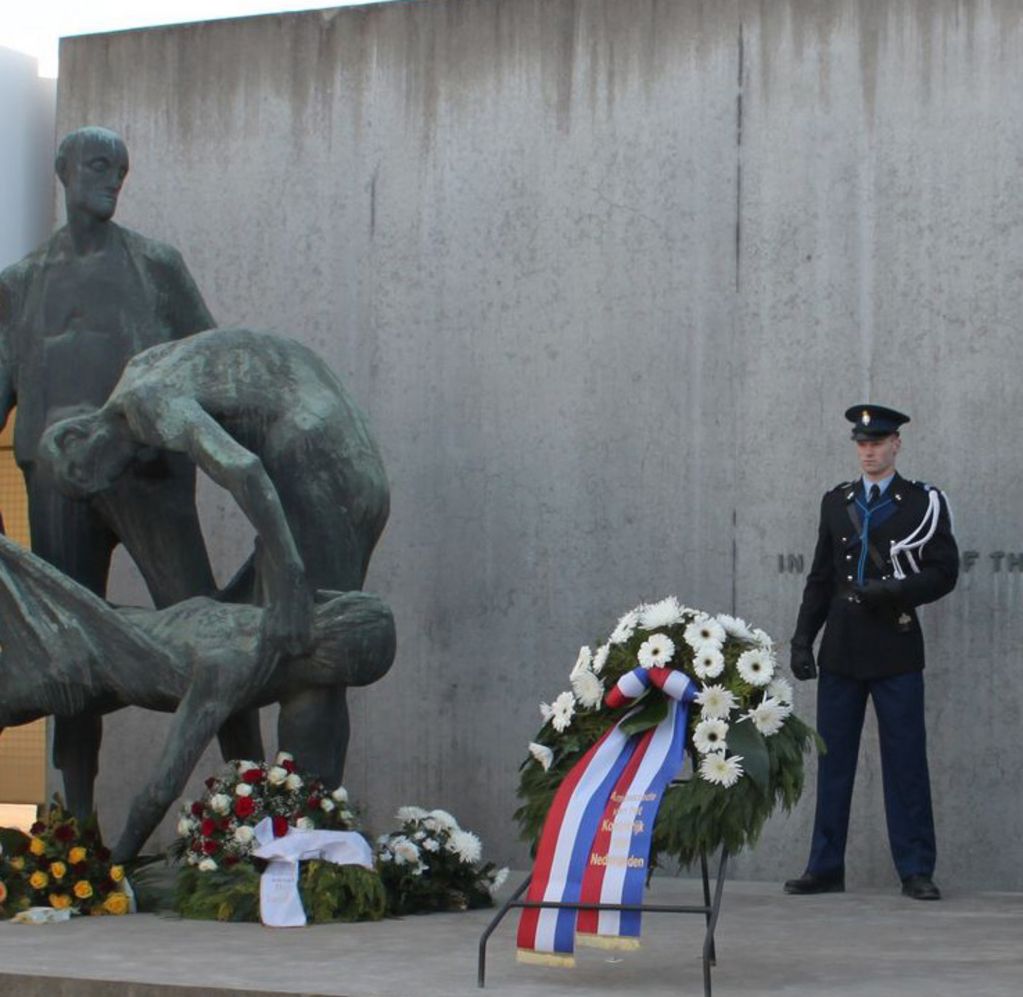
(188,312)
(8,393)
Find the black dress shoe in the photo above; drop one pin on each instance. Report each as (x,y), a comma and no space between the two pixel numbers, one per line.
(920,888)
(809,883)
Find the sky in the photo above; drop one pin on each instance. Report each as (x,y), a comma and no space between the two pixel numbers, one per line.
(34,26)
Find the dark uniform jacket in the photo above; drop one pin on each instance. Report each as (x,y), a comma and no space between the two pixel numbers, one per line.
(874,642)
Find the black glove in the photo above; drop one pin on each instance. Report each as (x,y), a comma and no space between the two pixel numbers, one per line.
(801,661)
(880,593)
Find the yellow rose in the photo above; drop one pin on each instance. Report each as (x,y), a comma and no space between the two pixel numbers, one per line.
(17,863)
(117,873)
(116,903)
(3,891)
(76,855)
(38,880)
(60,901)
(36,846)
(83,889)
(58,870)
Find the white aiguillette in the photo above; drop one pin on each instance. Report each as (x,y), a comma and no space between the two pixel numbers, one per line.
(280,905)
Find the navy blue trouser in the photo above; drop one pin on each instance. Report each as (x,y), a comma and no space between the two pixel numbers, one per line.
(899,705)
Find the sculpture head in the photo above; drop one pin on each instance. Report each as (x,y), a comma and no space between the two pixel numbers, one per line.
(87,453)
(92,164)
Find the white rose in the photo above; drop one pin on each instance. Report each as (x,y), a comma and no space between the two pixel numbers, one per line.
(184,827)
(207,865)
(276,775)
(340,795)
(243,789)
(243,835)
(293,782)
(327,805)
(244,767)
(220,803)
(283,756)
(304,824)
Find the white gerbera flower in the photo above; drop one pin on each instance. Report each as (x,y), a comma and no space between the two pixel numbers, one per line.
(185,826)
(588,689)
(600,658)
(431,844)
(735,626)
(444,820)
(665,613)
(704,630)
(243,789)
(769,716)
(220,803)
(499,878)
(466,846)
(407,815)
(763,639)
(708,662)
(340,795)
(327,805)
(405,852)
(582,662)
(293,782)
(625,628)
(276,775)
(656,650)
(723,771)
(562,711)
(305,824)
(781,689)
(756,666)
(716,702)
(542,754)
(709,736)
(207,865)
(243,834)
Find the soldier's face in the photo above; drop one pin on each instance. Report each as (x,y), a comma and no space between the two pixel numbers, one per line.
(93,177)
(877,457)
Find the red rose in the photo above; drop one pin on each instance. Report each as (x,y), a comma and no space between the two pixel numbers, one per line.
(209,782)
(288,765)
(252,776)
(208,827)
(224,823)
(209,847)
(197,809)
(38,827)
(80,869)
(65,833)
(313,804)
(103,853)
(230,860)
(244,807)
(280,826)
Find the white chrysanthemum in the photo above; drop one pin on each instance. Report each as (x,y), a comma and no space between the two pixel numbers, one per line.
(409,814)
(704,630)
(327,805)
(305,824)
(588,689)
(293,782)
(716,702)
(340,795)
(562,711)
(207,865)
(466,846)
(781,689)
(243,789)
(723,771)
(665,613)
(769,716)
(708,662)
(185,826)
(709,735)
(656,650)
(756,666)
(499,878)
(405,852)
(763,639)
(600,658)
(220,803)
(444,820)
(546,711)
(735,626)
(246,766)
(582,662)
(243,834)
(431,844)
(625,628)
(276,775)
(542,754)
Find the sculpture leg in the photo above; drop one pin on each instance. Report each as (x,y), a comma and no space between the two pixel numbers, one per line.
(313,726)
(74,539)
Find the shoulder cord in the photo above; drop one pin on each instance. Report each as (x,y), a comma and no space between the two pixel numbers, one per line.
(917,540)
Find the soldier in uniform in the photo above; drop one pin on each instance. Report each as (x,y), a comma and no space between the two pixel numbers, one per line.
(884,547)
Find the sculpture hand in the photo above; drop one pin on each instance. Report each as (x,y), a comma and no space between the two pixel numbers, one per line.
(801,660)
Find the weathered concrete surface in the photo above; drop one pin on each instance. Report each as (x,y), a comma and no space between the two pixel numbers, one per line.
(871,943)
(605,273)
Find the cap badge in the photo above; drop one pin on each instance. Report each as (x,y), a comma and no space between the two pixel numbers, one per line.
(865,418)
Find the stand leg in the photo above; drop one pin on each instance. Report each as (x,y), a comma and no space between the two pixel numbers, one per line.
(712,921)
(481,964)
(706,901)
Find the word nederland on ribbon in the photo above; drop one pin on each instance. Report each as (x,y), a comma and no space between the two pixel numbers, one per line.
(595,843)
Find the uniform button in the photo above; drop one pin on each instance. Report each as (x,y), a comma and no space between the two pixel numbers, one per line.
(846,538)
(848,578)
(848,557)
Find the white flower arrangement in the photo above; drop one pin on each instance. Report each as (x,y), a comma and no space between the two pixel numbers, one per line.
(657,650)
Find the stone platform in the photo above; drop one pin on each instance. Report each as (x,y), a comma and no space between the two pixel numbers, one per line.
(854,944)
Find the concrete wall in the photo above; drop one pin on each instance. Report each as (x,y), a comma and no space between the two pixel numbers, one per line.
(605,273)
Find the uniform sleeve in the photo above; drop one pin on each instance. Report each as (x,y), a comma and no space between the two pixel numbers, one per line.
(938,563)
(820,583)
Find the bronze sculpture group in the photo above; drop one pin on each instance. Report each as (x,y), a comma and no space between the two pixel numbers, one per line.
(124,386)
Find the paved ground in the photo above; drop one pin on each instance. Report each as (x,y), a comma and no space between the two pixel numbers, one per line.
(855,944)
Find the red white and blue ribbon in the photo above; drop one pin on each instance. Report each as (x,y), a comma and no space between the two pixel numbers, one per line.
(595,843)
